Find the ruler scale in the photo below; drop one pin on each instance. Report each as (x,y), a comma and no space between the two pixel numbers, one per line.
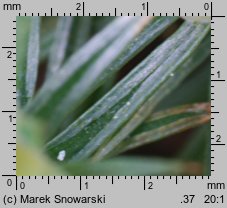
(112,191)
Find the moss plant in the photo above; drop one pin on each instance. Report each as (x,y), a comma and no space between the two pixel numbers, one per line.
(112,96)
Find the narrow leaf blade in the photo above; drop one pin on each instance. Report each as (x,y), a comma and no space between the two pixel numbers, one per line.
(48,25)
(27,57)
(33,57)
(126,106)
(57,53)
(166,123)
(133,166)
(79,78)
(83,32)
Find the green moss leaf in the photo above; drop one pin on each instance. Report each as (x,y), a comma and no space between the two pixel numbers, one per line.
(92,65)
(165,123)
(47,29)
(27,57)
(126,106)
(58,50)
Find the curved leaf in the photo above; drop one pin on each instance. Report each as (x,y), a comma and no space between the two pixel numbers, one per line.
(182,69)
(48,25)
(166,123)
(57,53)
(85,71)
(27,57)
(195,87)
(32,57)
(100,22)
(128,104)
(83,32)
(84,27)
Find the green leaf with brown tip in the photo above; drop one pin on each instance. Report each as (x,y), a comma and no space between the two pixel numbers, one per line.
(165,123)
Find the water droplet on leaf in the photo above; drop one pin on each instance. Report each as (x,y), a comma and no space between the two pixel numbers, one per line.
(61,155)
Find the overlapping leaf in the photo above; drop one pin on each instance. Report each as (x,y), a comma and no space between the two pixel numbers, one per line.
(126,106)
(57,53)
(87,69)
(48,25)
(165,123)
(83,29)
(195,87)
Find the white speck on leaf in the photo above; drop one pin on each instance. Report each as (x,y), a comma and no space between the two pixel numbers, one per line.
(128,103)
(115,117)
(61,155)
(172,74)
